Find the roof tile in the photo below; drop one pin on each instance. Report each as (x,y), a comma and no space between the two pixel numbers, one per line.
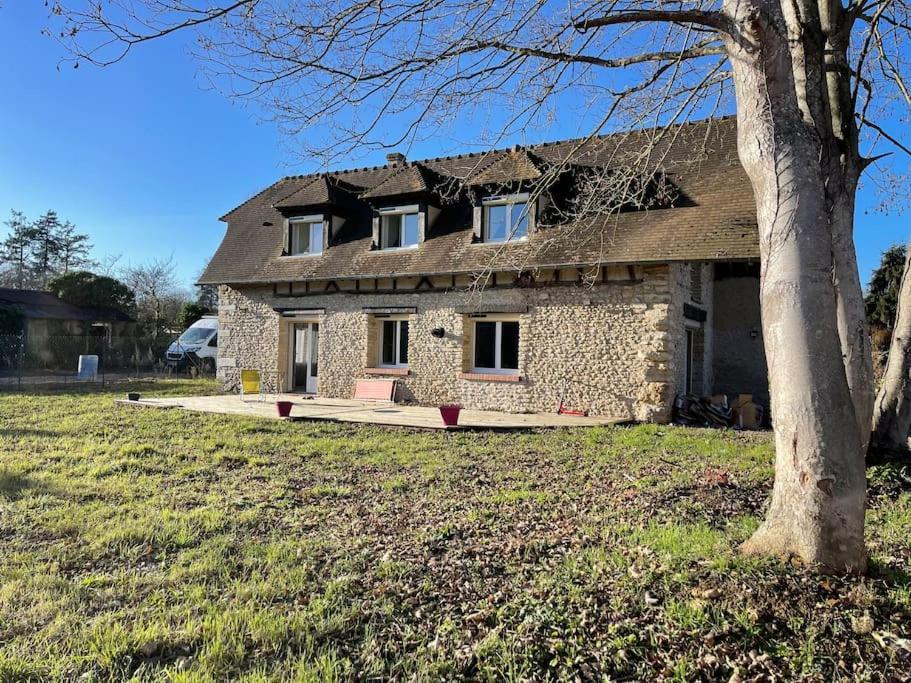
(410,179)
(515,165)
(719,222)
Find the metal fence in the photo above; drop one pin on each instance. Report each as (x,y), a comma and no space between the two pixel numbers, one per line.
(52,360)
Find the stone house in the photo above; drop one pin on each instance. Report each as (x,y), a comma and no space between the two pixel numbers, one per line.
(498,282)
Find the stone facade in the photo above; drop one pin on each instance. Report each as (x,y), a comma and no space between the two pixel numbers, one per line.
(614,347)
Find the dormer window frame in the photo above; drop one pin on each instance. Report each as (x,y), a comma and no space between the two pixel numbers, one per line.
(292,244)
(402,210)
(510,201)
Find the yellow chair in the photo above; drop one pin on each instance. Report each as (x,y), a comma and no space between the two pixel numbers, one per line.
(251,382)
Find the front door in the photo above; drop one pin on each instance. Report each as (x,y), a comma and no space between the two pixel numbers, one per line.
(304,356)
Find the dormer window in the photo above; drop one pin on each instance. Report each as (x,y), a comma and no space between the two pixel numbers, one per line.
(506,218)
(305,235)
(399,227)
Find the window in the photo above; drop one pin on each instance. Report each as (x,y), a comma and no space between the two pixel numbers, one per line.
(695,357)
(393,352)
(306,235)
(496,346)
(506,218)
(688,365)
(399,228)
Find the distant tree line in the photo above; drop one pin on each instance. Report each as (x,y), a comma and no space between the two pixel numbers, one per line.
(35,251)
(50,254)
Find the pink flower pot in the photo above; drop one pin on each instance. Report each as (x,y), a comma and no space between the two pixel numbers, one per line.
(450,414)
(283,408)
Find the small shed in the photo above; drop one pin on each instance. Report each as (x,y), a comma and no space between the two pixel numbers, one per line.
(37,329)
(43,314)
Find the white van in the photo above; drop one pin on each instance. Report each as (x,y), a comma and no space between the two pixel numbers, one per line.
(198,345)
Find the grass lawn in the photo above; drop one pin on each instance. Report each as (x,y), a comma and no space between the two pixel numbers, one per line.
(165,545)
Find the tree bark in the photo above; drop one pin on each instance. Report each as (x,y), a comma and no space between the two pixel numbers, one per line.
(853,331)
(819,495)
(847,165)
(892,415)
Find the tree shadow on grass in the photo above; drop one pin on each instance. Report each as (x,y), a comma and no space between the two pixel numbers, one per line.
(894,575)
(20,432)
(877,456)
(14,485)
(888,474)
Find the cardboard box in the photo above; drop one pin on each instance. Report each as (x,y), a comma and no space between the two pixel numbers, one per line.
(748,415)
(742,399)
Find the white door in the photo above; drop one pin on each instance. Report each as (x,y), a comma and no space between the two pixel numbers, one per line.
(304,356)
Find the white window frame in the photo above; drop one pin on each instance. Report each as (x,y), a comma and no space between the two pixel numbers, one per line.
(310,221)
(498,346)
(396,346)
(399,211)
(510,201)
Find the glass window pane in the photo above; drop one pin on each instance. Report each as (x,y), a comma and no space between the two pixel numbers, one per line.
(306,238)
(387,352)
(519,221)
(410,236)
(392,231)
(403,342)
(485,335)
(298,237)
(497,223)
(509,346)
(316,238)
(314,350)
(300,356)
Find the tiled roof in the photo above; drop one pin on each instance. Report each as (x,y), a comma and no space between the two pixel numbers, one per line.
(718,221)
(318,191)
(314,193)
(515,165)
(35,304)
(410,179)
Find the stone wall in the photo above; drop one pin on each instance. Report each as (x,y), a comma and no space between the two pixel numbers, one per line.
(612,343)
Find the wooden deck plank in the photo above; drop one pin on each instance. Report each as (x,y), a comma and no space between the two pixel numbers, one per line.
(363,412)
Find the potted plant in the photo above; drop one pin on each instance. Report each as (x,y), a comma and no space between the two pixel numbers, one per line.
(284,408)
(450,414)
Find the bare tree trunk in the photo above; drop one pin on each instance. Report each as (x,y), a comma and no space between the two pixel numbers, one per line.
(892,415)
(818,499)
(853,330)
(847,166)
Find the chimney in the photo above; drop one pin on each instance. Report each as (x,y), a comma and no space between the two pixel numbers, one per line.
(395,158)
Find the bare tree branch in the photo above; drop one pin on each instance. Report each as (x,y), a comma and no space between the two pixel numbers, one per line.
(714,20)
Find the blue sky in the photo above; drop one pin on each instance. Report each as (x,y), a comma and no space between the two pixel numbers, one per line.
(144,158)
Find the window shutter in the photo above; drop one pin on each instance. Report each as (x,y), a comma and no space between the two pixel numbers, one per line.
(532,216)
(467,344)
(422,223)
(477,219)
(372,358)
(287,247)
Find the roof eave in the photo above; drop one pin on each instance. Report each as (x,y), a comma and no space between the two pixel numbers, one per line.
(468,271)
